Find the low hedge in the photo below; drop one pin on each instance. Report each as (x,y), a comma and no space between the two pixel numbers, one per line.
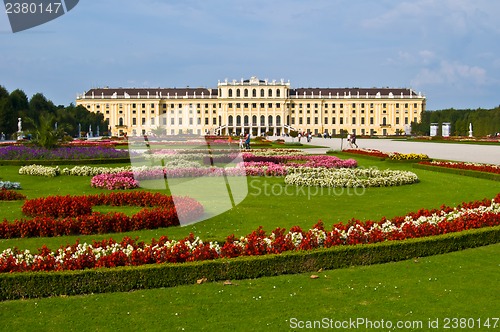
(465,172)
(46,284)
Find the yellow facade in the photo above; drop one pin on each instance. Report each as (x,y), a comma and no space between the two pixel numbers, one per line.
(255,106)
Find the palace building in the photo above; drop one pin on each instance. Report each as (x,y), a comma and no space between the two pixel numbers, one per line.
(256,106)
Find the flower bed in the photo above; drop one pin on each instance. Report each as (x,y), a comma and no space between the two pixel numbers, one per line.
(10,195)
(407,156)
(109,253)
(9,185)
(121,180)
(39,170)
(63,153)
(349,178)
(367,152)
(391,155)
(488,168)
(72,215)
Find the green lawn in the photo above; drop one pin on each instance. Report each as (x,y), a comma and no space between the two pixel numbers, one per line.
(457,285)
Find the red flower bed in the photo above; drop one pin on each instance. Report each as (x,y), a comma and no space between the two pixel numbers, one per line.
(109,253)
(72,215)
(367,152)
(465,166)
(10,195)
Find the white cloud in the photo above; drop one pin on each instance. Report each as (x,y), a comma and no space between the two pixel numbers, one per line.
(451,73)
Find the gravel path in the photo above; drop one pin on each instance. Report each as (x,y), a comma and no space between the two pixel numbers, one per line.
(489,154)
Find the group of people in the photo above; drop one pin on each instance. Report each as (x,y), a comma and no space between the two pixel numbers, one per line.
(307,135)
(351,140)
(244,141)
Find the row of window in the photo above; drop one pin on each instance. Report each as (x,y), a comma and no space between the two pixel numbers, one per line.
(254,93)
(262,105)
(353,121)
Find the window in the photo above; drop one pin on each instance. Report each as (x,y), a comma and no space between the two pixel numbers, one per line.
(326,120)
(333,120)
(371,120)
(316,120)
(245,105)
(406,120)
(262,120)
(143,121)
(278,93)
(293,121)
(245,92)
(238,120)
(353,120)
(238,93)
(362,121)
(341,120)
(300,121)
(254,93)
(180,121)
(230,93)
(134,122)
(190,121)
(278,120)
(206,121)
(270,93)
(214,121)
(308,120)
(270,120)
(262,93)
(397,121)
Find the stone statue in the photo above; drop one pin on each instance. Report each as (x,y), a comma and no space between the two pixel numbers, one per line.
(19,125)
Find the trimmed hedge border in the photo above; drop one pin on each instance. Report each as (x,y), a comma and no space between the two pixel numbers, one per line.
(122,279)
(465,172)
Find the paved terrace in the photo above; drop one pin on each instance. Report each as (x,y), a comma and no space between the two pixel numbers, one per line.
(489,154)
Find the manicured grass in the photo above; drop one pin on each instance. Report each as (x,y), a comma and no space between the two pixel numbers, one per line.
(456,285)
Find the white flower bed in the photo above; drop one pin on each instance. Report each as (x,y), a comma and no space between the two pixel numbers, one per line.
(39,170)
(348,177)
(9,185)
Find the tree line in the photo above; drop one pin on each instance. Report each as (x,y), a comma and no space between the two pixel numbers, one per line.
(38,112)
(485,122)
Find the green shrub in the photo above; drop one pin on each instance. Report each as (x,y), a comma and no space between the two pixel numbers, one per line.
(45,284)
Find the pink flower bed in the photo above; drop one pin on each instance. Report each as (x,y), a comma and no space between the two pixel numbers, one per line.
(109,253)
(122,180)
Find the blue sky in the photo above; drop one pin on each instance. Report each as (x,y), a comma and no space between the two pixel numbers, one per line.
(447,49)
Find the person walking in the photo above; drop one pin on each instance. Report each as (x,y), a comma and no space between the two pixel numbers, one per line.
(247,141)
(353,140)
